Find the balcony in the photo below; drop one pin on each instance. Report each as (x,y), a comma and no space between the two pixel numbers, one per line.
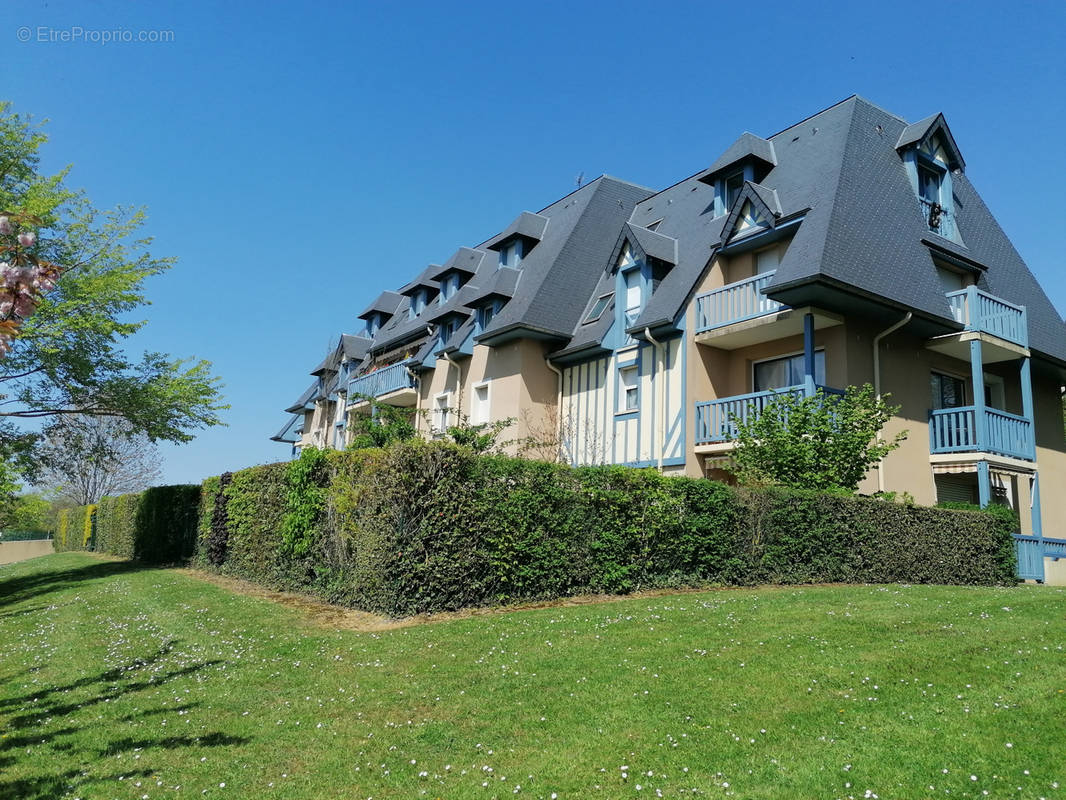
(961,430)
(740,314)
(715,418)
(986,313)
(736,302)
(393,384)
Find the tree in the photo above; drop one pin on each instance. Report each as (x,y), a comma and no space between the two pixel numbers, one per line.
(85,458)
(384,425)
(63,347)
(28,512)
(821,442)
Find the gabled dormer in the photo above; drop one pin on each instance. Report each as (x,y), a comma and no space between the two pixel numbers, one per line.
(755,209)
(380,311)
(639,262)
(455,272)
(749,159)
(518,239)
(421,291)
(931,156)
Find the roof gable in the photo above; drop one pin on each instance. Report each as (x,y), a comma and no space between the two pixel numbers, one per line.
(923,132)
(748,147)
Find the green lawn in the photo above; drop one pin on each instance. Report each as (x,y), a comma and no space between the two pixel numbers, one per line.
(120,682)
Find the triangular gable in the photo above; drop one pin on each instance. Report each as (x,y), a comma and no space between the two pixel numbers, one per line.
(924,132)
(639,244)
(756,208)
(748,147)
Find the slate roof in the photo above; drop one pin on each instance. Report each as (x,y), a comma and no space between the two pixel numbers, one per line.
(527,225)
(385,304)
(862,228)
(287,434)
(837,179)
(304,399)
(748,146)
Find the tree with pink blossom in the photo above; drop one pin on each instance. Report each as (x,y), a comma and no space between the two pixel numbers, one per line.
(70,274)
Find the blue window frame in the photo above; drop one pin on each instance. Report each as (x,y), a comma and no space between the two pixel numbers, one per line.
(511,254)
(417,305)
(486,314)
(449,285)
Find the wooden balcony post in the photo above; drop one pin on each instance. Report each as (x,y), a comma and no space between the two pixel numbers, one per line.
(977,374)
(808,355)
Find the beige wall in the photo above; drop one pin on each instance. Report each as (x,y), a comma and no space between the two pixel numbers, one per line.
(1050,454)
(10,552)
(521,386)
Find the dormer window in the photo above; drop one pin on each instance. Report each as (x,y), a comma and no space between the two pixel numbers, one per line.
(447,330)
(511,253)
(634,296)
(418,304)
(373,324)
(733,184)
(449,285)
(486,314)
(931,156)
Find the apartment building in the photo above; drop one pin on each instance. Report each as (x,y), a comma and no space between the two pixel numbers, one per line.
(623,325)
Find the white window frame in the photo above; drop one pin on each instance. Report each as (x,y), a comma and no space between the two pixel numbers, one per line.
(441,414)
(476,406)
(622,390)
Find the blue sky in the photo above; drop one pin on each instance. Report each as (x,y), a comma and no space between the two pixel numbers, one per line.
(298,160)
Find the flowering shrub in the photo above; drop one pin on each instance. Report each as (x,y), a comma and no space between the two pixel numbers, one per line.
(24,279)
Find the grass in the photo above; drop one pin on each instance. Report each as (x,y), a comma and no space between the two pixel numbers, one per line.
(122,682)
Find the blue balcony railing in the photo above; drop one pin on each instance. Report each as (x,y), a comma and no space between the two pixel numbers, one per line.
(960,430)
(983,312)
(381,382)
(736,302)
(715,418)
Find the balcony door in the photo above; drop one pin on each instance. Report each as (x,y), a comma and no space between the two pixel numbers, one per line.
(781,373)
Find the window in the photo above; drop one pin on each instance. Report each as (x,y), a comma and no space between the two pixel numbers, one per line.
(447,329)
(634,295)
(598,308)
(417,305)
(479,407)
(511,254)
(946,391)
(486,314)
(780,373)
(733,184)
(767,261)
(449,285)
(928,183)
(628,389)
(372,325)
(441,413)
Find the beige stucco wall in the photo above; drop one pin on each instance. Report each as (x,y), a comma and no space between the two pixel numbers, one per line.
(1050,453)
(10,552)
(521,386)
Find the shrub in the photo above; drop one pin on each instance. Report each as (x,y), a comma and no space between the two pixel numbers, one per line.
(420,527)
(165,524)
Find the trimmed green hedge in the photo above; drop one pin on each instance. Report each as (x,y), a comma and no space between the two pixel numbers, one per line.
(426,526)
(157,526)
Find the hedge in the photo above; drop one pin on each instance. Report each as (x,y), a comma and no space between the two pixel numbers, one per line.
(425,526)
(156,526)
